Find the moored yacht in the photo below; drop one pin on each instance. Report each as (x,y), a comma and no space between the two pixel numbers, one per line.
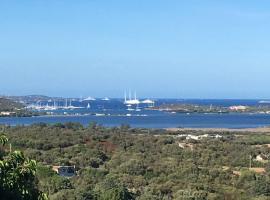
(149,102)
(130,101)
(89,99)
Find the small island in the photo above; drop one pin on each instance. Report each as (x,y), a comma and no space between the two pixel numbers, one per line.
(193,108)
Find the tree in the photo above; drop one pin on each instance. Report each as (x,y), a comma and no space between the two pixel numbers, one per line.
(17,176)
(111,189)
(92,125)
(261,186)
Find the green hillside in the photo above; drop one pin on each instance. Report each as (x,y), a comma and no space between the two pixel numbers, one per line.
(120,163)
(9,105)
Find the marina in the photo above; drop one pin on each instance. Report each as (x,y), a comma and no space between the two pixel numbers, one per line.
(117,111)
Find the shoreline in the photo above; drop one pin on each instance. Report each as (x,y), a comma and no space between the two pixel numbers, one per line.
(247,130)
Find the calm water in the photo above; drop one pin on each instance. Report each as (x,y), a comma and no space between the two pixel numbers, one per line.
(116,114)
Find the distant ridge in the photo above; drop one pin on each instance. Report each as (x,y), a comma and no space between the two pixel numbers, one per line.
(31,98)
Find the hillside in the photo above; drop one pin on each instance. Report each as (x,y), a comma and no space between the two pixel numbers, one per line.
(30,98)
(128,164)
(9,105)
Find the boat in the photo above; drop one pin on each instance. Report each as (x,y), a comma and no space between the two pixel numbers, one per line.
(100,114)
(66,104)
(71,107)
(150,102)
(129,107)
(81,99)
(105,99)
(130,101)
(89,99)
(138,109)
(88,106)
(264,102)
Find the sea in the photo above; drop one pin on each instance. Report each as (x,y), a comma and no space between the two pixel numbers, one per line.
(114,112)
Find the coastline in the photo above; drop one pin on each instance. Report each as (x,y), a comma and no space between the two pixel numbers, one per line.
(242,130)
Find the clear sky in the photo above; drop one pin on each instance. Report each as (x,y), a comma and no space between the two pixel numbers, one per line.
(160,48)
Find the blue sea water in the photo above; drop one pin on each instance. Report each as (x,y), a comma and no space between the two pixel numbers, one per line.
(116,113)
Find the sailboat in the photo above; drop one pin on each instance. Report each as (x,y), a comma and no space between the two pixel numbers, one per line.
(66,104)
(81,99)
(88,106)
(54,107)
(138,108)
(134,101)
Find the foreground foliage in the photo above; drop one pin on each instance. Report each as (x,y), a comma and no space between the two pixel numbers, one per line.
(17,176)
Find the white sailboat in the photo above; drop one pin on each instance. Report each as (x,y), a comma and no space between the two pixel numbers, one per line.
(55,107)
(134,101)
(66,104)
(138,108)
(150,102)
(81,99)
(89,99)
(88,106)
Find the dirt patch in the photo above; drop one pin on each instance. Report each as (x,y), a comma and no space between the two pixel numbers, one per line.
(258,170)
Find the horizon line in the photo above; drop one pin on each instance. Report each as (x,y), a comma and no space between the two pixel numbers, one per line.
(143,97)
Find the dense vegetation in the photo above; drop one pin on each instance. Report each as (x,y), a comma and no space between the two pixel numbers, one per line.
(125,163)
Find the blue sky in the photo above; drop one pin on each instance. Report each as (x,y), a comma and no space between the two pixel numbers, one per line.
(172,48)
